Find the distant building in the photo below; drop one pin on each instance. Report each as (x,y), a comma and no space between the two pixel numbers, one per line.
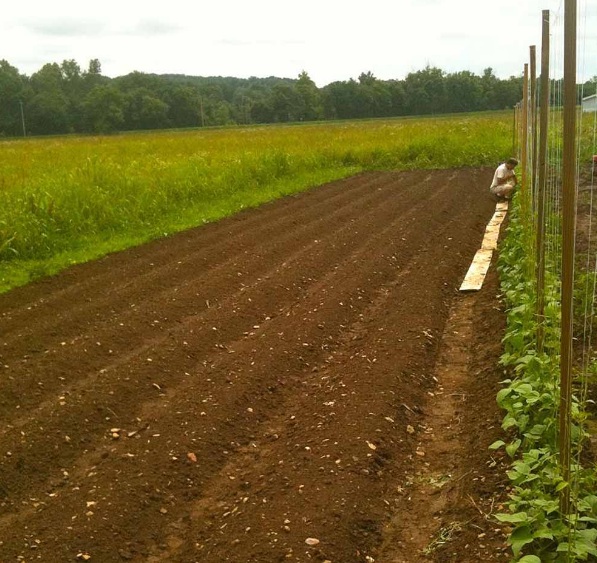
(589,103)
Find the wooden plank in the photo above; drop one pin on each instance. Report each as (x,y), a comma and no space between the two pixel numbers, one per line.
(492,232)
(490,239)
(473,281)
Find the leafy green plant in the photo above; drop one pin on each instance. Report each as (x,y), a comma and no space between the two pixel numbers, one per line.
(530,398)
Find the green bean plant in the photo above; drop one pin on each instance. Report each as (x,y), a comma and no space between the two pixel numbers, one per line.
(530,397)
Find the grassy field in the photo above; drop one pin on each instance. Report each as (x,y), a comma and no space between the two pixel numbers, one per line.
(72,199)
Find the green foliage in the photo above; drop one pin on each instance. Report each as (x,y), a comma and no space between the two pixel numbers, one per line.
(13,91)
(104,109)
(61,98)
(65,195)
(530,399)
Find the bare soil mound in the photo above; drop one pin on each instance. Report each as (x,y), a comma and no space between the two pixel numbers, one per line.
(272,387)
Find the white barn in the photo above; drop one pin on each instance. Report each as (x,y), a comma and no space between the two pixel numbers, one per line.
(589,103)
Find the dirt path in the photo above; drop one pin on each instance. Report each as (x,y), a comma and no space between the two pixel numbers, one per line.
(303,371)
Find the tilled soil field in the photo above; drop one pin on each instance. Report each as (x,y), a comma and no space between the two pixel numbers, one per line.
(301,382)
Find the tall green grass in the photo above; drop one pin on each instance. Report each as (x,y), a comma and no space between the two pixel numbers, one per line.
(72,199)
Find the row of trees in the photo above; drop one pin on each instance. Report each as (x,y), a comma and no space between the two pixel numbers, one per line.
(63,98)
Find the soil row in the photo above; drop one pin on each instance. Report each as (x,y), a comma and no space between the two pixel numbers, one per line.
(251,390)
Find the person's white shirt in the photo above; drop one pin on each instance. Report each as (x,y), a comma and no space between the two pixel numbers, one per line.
(502,171)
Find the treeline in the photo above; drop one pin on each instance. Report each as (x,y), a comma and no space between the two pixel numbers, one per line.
(63,98)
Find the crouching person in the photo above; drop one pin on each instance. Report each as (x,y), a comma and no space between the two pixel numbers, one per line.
(504,179)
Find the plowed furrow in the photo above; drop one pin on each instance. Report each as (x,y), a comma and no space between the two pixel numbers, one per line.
(96,337)
(259,409)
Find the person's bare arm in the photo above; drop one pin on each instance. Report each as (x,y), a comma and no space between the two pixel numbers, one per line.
(506,179)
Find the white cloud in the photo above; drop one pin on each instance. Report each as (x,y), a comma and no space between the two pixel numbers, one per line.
(331,40)
(63,27)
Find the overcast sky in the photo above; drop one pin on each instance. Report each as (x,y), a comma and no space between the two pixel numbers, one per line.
(330,39)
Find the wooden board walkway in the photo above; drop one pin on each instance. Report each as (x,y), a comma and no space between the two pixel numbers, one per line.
(473,281)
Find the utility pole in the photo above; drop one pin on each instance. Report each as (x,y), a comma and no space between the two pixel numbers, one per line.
(23,119)
(244,109)
(202,114)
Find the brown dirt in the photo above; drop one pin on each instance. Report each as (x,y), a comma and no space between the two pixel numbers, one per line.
(307,369)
